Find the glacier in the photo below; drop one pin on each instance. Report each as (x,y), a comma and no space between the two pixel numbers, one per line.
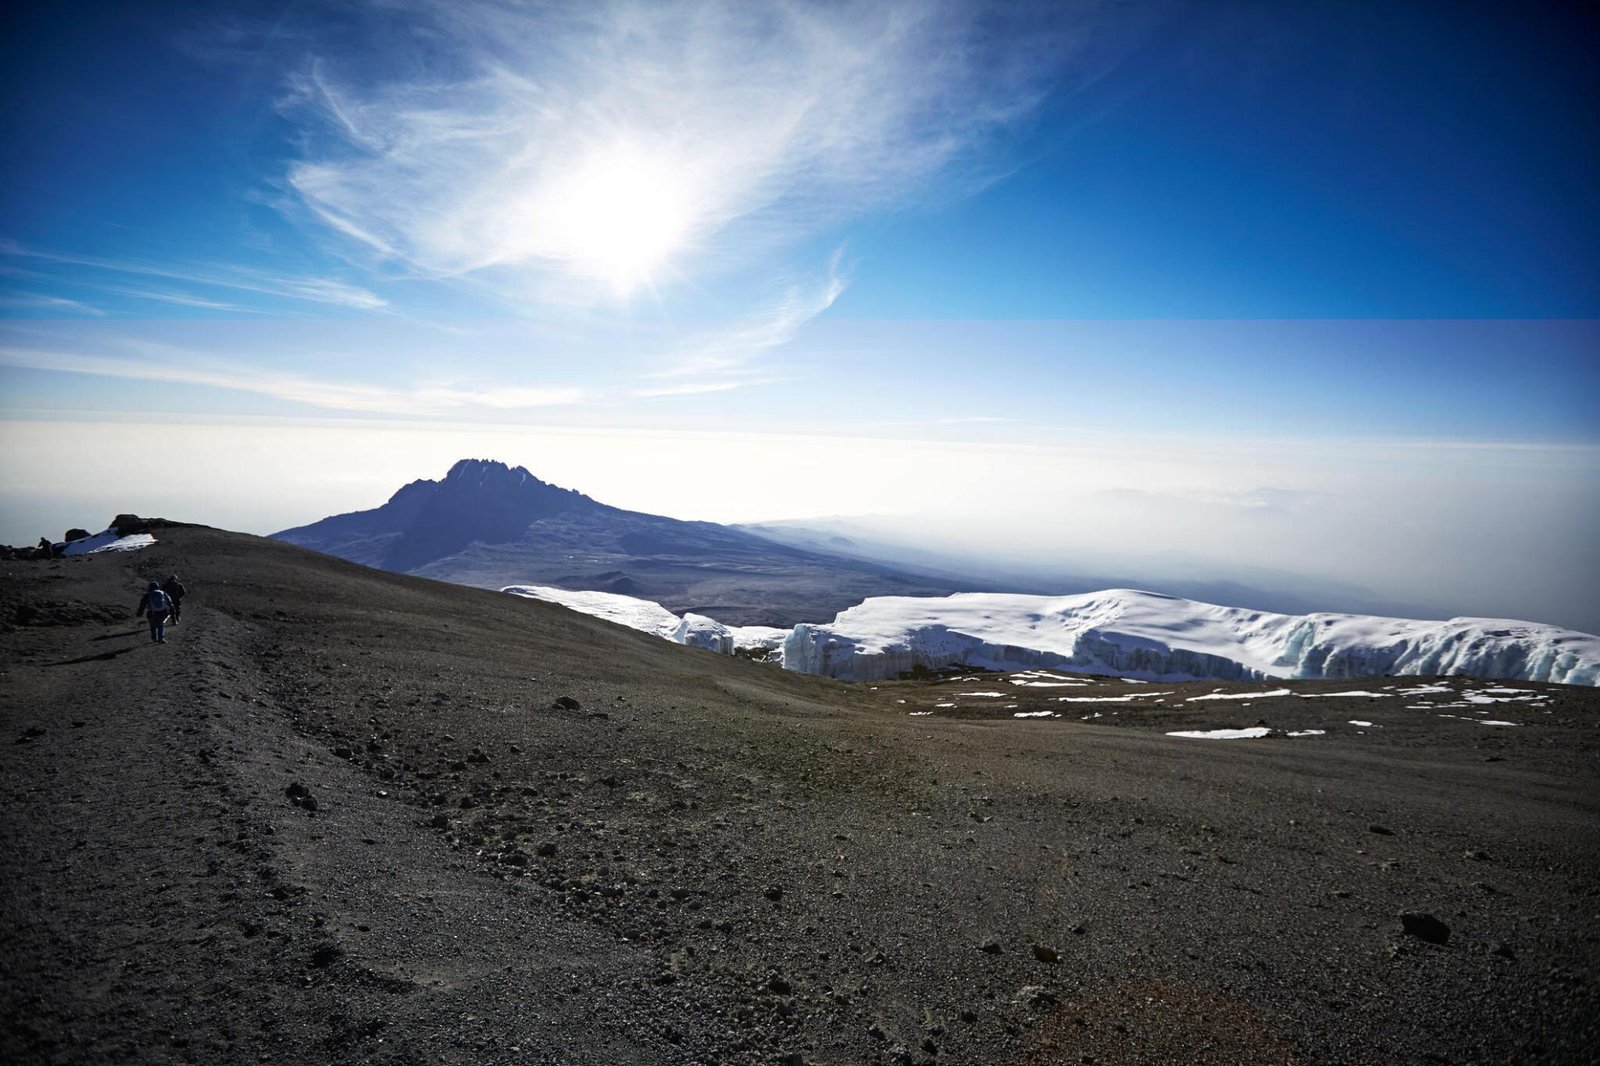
(693,630)
(1146,635)
(1127,633)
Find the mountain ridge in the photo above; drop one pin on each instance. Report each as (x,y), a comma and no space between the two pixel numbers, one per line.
(489,525)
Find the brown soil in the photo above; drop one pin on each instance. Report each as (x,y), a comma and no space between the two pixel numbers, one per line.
(709,860)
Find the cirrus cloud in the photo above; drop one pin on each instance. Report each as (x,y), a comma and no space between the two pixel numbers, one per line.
(575,146)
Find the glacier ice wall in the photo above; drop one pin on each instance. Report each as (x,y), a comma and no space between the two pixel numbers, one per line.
(1140,634)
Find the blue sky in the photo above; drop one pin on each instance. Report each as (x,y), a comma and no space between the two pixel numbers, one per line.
(1306,230)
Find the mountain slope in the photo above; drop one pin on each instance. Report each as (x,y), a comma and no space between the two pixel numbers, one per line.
(489,525)
(539,837)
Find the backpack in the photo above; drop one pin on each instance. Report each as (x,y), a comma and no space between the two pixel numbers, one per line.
(160,603)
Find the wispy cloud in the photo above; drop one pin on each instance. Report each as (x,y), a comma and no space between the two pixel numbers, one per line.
(617,142)
(58,304)
(176,367)
(311,289)
(733,348)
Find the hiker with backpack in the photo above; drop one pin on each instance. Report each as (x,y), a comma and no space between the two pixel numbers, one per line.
(155,604)
(174,590)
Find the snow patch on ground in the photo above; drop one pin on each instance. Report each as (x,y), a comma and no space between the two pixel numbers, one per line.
(1223,734)
(1330,695)
(1308,733)
(1240,695)
(1367,725)
(107,541)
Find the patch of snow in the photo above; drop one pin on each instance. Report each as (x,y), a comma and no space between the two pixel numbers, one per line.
(1106,699)
(920,714)
(1330,695)
(1486,721)
(1251,733)
(1241,695)
(1365,724)
(1308,733)
(1034,714)
(996,695)
(107,541)
(694,630)
(944,705)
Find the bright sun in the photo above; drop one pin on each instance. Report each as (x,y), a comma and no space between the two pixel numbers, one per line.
(617,217)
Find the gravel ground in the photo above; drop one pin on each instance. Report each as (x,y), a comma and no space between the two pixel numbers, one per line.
(348,816)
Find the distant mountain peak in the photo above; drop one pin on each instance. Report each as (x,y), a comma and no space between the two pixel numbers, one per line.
(484,470)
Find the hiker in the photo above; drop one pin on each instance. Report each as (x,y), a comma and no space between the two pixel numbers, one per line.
(174,590)
(155,604)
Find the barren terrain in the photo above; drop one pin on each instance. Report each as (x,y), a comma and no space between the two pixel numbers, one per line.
(352,816)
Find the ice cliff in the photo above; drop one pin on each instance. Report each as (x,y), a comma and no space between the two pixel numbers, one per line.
(1145,635)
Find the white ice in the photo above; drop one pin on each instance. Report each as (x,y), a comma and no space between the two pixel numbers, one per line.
(1241,695)
(1224,734)
(1330,695)
(1147,636)
(107,541)
(695,630)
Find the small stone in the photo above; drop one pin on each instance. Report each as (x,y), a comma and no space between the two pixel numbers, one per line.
(439,821)
(876,1032)
(566,703)
(989,946)
(1035,996)
(780,985)
(1425,927)
(1476,855)
(774,893)
(969,1015)
(296,790)
(1503,951)
(545,850)
(1381,830)
(1046,954)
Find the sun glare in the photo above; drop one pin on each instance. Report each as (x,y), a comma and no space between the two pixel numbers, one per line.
(617,217)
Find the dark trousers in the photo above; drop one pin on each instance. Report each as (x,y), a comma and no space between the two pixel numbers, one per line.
(158,626)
